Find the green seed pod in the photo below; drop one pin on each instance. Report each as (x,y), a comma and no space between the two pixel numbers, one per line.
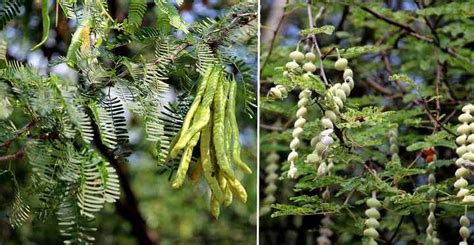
(341,94)
(471,127)
(470,139)
(346,88)
(372,213)
(461,150)
(431,179)
(326,194)
(320,148)
(462,172)
(464,232)
(464,221)
(331,115)
(313,158)
(394,149)
(461,140)
(292,65)
(297,56)
(276,93)
(431,218)
(340,64)
(371,232)
(468,156)
(469,108)
(462,192)
(338,102)
(372,242)
(465,118)
(432,206)
(373,203)
(310,56)
(463,243)
(326,122)
(347,73)
(463,129)
(371,222)
(309,67)
(429,229)
(286,74)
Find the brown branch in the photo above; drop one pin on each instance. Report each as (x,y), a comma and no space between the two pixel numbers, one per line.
(412,32)
(127,206)
(404,27)
(16,156)
(20,131)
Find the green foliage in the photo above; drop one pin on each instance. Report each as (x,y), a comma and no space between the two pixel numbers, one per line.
(77,137)
(411,73)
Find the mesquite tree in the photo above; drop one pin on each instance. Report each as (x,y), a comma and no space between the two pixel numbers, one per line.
(366,114)
(74,134)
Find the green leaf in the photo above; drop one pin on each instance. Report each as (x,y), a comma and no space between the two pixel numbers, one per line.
(326,29)
(463,9)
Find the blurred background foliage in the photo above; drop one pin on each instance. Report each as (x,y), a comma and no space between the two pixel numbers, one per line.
(429,41)
(173,216)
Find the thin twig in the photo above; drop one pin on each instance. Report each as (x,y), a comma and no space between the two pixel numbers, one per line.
(315,41)
(412,32)
(396,230)
(22,130)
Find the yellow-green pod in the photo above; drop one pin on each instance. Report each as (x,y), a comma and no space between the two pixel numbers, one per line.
(218,130)
(225,188)
(202,116)
(197,100)
(215,206)
(235,128)
(80,37)
(238,189)
(210,172)
(184,163)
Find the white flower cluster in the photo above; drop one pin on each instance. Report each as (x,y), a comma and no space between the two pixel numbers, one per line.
(304,97)
(270,180)
(372,223)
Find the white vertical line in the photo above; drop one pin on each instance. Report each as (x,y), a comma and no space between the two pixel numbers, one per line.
(258,121)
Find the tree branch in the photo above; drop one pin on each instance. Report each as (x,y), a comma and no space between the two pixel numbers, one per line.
(20,131)
(412,32)
(18,155)
(315,41)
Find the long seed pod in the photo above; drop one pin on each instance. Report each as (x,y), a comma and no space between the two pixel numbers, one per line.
(202,116)
(184,163)
(80,37)
(235,136)
(297,131)
(210,172)
(218,131)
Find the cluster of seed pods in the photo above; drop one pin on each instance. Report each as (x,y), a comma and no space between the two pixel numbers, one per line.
(465,152)
(336,96)
(272,160)
(304,97)
(431,234)
(324,231)
(372,223)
